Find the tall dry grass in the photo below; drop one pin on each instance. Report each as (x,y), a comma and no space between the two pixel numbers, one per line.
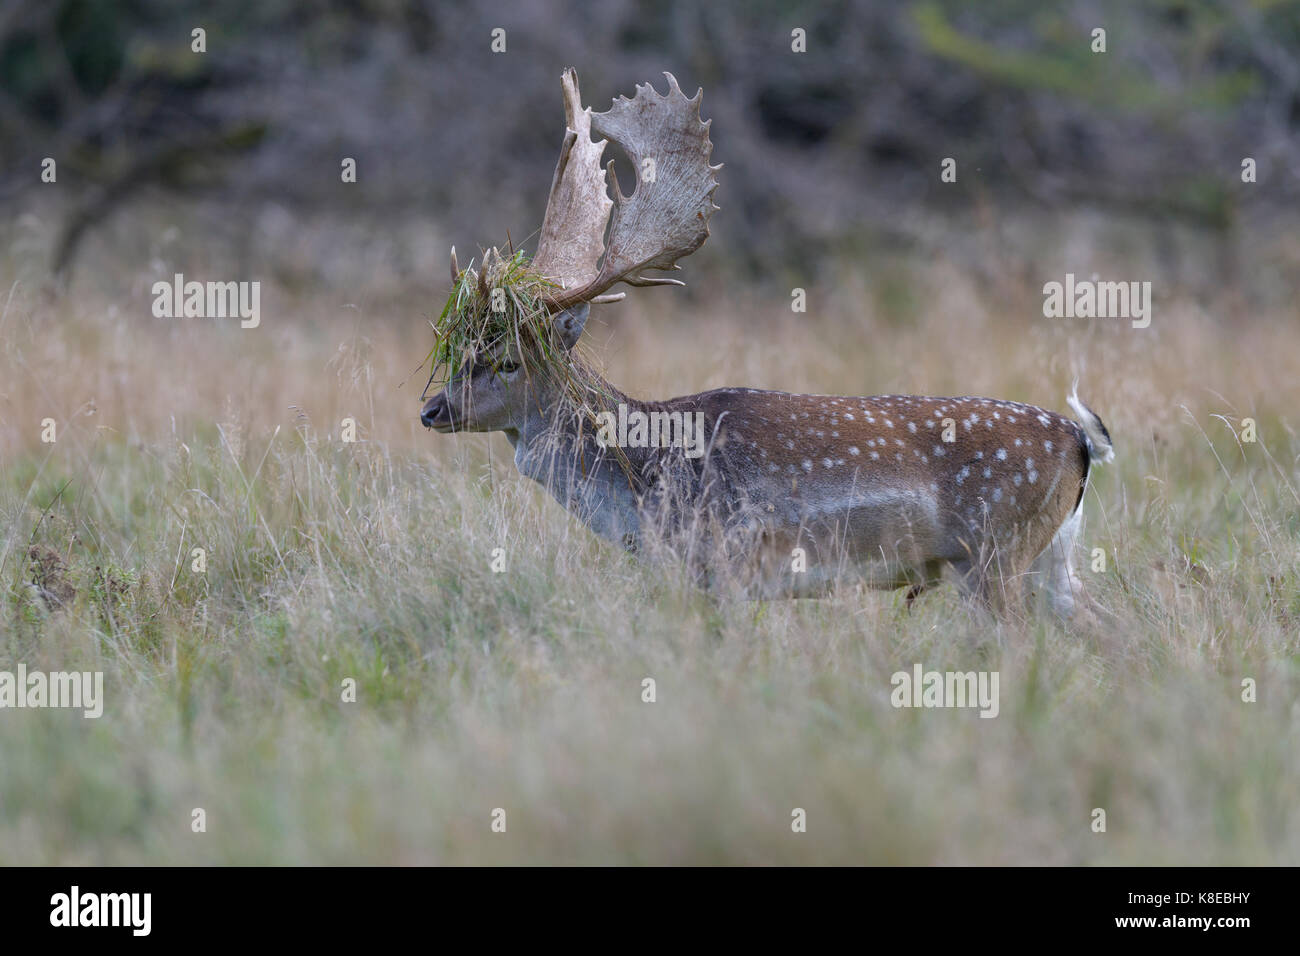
(523,690)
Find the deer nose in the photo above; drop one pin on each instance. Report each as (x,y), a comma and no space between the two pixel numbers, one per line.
(434,409)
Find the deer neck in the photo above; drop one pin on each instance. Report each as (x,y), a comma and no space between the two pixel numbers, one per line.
(556,447)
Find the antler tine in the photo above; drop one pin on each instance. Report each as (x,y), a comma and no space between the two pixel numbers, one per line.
(650,280)
(667,216)
(455,267)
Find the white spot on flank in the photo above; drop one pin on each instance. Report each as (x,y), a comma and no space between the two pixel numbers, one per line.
(853,450)
(1001,454)
(807,465)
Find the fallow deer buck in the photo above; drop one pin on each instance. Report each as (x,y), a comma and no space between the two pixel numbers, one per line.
(886,489)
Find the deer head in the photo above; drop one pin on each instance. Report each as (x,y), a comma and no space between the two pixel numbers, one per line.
(516,367)
(502,383)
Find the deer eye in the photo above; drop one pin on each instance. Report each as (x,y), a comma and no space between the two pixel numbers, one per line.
(507,365)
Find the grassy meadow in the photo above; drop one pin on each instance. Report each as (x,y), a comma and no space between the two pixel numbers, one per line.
(522,690)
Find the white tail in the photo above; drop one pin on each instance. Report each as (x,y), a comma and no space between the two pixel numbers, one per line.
(1094,432)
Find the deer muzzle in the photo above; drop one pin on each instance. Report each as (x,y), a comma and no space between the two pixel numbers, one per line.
(437,414)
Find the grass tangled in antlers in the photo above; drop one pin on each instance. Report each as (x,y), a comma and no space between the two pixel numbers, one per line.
(469,329)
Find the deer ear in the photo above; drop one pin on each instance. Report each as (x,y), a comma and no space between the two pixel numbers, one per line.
(570,324)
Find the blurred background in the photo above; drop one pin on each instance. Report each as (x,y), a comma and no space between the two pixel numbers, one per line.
(832,156)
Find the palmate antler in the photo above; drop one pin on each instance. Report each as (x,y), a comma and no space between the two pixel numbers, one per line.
(665,219)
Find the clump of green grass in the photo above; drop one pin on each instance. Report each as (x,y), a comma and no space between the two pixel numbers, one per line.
(472,325)
(477,324)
